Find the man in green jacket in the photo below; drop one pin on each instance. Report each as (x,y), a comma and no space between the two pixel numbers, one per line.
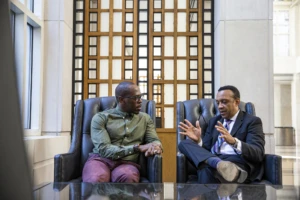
(119,135)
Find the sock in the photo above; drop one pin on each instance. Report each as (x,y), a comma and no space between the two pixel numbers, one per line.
(213,161)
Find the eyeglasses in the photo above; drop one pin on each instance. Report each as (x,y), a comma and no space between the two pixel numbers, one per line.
(136,97)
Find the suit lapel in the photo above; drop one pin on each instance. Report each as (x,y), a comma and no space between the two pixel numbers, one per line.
(238,123)
(215,132)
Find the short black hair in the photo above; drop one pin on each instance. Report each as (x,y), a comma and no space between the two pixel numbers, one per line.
(123,88)
(235,91)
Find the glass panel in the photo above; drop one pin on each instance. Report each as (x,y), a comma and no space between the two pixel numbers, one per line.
(193,64)
(193,89)
(157,17)
(143,16)
(104,22)
(207,64)
(157,74)
(78,75)
(93,41)
(156,64)
(79,28)
(157,3)
(118,4)
(181,26)
(181,70)
(157,27)
(79,16)
(129,4)
(79,4)
(157,51)
(128,41)
(207,76)
(128,51)
(157,98)
(93,4)
(181,46)
(143,88)
(193,41)
(78,52)
(169,17)
(143,63)
(169,4)
(116,71)
(92,64)
(193,51)
(207,88)
(157,41)
(92,74)
(128,75)
(169,46)
(103,72)
(181,96)
(93,51)
(193,3)
(143,51)
(169,70)
(117,22)
(128,64)
(182,4)
(129,17)
(104,41)
(117,46)
(193,97)
(79,40)
(143,28)
(105,4)
(143,40)
(114,88)
(103,90)
(129,27)
(142,75)
(193,17)
(93,17)
(78,63)
(207,16)
(92,96)
(169,117)
(92,88)
(169,94)
(207,28)
(143,4)
(193,75)
(207,52)
(208,96)
(207,40)
(93,27)
(78,87)
(193,27)
(207,4)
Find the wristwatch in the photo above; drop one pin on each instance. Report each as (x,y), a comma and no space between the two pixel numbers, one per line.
(136,148)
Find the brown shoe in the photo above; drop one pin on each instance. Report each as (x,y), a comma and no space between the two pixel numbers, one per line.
(231,172)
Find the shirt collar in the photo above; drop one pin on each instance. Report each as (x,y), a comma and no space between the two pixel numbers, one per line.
(235,116)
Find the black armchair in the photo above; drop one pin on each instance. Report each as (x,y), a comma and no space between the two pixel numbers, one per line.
(68,167)
(203,110)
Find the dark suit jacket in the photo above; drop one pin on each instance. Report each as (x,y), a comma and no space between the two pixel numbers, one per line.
(248,129)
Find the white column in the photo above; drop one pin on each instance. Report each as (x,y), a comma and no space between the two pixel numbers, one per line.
(296,107)
(58,67)
(243,55)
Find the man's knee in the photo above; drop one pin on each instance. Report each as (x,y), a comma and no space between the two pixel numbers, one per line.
(95,171)
(127,173)
(183,144)
(96,178)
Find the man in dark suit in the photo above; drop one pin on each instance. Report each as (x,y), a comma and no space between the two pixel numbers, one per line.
(232,149)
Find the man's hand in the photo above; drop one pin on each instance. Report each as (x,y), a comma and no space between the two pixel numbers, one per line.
(225,134)
(150,149)
(194,133)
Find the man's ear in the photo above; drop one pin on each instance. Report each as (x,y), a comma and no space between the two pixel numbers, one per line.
(238,101)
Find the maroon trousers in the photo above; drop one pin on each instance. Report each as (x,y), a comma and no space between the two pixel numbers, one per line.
(98,169)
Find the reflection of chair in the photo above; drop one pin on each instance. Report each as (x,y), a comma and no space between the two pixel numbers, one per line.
(203,110)
(68,166)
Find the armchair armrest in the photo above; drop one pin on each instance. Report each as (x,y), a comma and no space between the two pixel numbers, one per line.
(181,168)
(66,166)
(273,169)
(154,169)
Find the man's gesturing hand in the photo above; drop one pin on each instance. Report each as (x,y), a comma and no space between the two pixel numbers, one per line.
(194,133)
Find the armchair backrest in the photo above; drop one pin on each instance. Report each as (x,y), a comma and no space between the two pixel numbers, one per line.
(84,112)
(202,110)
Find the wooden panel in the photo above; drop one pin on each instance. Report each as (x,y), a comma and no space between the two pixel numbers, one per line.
(169,156)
